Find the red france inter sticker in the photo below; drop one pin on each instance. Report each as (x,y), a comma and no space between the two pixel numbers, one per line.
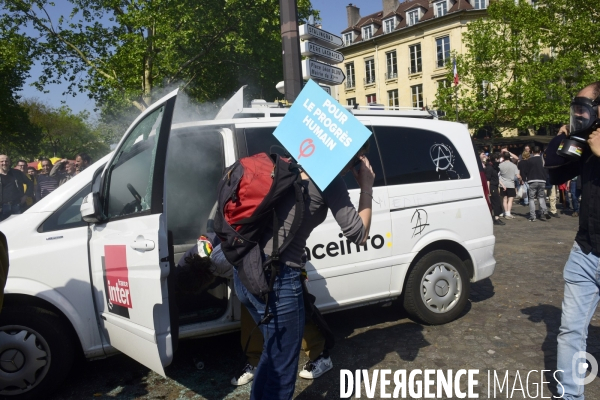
(117,275)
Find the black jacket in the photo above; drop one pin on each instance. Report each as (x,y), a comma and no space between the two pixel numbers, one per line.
(561,170)
(533,170)
(20,181)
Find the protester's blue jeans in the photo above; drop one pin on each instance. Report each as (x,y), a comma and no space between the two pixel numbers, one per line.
(275,376)
(8,210)
(575,193)
(582,284)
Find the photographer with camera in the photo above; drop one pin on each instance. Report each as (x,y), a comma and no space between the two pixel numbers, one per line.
(576,151)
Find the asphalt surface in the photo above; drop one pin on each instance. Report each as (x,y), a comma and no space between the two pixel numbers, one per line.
(510,324)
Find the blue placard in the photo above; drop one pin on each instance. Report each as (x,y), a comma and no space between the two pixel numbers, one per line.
(320,134)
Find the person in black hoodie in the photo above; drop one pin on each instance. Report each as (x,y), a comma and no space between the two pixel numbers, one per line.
(534,173)
(581,272)
(491,173)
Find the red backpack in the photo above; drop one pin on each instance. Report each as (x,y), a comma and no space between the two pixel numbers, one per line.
(247,195)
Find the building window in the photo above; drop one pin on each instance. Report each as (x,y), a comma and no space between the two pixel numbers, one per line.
(389,25)
(479,4)
(412,17)
(348,38)
(417,96)
(415,58)
(442,83)
(441,8)
(350,83)
(369,71)
(443,51)
(393,98)
(367,32)
(392,66)
(351,101)
(371,98)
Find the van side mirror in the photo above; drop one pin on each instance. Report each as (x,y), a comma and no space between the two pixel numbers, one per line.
(90,208)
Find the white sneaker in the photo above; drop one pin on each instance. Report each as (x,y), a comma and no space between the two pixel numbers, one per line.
(508,216)
(314,369)
(245,377)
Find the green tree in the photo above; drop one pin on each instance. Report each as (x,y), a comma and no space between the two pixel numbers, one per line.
(65,134)
(517,71)
(125,53)
(18,137)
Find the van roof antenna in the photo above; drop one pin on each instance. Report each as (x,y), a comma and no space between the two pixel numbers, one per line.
(234,105)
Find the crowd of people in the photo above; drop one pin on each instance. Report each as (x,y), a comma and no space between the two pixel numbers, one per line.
(24,185)
(525,178)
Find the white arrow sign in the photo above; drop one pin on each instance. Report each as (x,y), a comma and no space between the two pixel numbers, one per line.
(309,49)
(312,69)
(308,32)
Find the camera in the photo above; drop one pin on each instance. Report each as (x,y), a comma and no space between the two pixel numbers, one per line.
(584,120)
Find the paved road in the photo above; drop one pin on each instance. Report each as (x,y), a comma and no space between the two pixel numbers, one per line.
(510,324)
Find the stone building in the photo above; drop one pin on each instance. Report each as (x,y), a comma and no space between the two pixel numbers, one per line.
(398,56)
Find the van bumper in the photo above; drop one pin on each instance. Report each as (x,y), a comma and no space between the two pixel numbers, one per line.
(482,254)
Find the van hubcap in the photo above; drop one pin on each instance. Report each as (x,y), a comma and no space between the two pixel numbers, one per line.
(441,287)
(24,359)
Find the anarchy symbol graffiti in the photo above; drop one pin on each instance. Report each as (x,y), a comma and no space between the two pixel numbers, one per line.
(442,156)
(420,221)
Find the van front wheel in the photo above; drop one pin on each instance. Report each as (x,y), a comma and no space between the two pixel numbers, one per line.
(36,352)
(437,289)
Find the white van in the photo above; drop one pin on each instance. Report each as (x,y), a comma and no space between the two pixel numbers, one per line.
(102,286)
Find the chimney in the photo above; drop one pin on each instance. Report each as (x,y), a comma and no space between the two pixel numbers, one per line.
(353,14)
(389,6)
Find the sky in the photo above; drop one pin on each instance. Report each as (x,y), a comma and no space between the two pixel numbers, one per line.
(333,19)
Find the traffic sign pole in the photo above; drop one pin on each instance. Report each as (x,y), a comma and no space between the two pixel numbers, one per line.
(290,41)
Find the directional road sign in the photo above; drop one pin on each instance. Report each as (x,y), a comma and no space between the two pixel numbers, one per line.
(321,72)
(310,49)
(310,32)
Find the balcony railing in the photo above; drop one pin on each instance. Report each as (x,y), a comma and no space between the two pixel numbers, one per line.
(369,80)
(350,84)
(416,70)
(391,75)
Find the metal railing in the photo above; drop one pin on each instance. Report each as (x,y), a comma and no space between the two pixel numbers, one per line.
(392,75)
(369,81)
(350,84)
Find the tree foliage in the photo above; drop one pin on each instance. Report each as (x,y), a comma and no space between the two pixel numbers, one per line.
(17,136)
(523,64)
(64,134)
(124,53)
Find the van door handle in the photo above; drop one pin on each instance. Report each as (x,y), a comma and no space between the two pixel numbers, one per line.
(142,244)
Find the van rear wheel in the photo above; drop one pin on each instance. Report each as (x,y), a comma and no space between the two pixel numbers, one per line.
(437,289)
(36,352)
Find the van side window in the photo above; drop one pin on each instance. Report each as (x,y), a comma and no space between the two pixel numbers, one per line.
(195,164)
(262,140)
(416,155)
(68,215)
(129,189)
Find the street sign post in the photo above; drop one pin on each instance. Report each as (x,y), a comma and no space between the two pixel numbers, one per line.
(310,32)
(310,49)
(321,72)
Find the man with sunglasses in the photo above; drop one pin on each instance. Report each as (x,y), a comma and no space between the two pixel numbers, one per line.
(582,270)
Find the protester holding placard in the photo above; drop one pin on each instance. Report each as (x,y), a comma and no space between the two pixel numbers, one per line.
(275,376)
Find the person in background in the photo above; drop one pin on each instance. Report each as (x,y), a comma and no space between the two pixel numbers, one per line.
(508,172)
(46,184)
(521,165)
(31,172)
(510,156)
(22,166)
(483,158)
(535,174)
(13,189)
(64,170)
(82,161)
(491,173)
